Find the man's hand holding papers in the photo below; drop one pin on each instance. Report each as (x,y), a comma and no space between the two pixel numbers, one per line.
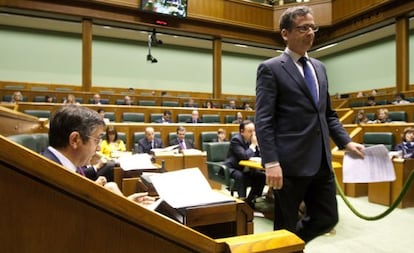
(375,167)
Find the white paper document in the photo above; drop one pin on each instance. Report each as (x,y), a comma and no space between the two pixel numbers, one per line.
(375,167)
(136,162)
(186,188)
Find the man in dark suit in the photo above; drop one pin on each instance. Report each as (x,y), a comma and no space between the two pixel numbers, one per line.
(194,118)
(166,117)
(243,146)
(149,142)
(75,134)
(294,121)
(181,141)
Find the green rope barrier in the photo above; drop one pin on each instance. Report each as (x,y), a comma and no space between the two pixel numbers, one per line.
(402,194)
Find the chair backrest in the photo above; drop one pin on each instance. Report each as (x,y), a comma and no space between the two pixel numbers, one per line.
(119,101)
(122,136)
(38,113)
(374,138)
(182,117)
(39,99)
(37,142)
(155,116)
(7,98)
(110,116)
(251,118)
(381,102)
(206,137)
(232,134)
(169,103)
(147,102)
(173,135)
(186,104)
(357,104)
(133,117)
(397,115)
(228,119)
(217,151)
(210,118)
(370,115)
(139,135)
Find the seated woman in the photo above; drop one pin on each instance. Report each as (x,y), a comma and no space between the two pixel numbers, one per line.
(381,116)
(111,143)
(407,144)
(361,117)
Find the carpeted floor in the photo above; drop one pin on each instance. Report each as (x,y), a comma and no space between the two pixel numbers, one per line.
(394,233)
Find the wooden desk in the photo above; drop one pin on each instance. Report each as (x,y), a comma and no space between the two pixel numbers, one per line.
(251,164)
(216,220)
(385,193)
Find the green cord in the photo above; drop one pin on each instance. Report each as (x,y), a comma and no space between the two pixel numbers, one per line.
(403,192)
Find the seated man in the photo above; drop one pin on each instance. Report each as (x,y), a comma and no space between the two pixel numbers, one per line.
(194,118)
(407,144)
(166,117)
(146,144)
(75,135)
(243,146)
(181,141)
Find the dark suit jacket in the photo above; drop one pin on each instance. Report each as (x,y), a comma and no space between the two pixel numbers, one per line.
(239,150)
(89,171)
(188,143)
(161,120)
(145,147)
(290,127)
(191,121)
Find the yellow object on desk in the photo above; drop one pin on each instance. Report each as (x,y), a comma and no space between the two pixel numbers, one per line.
(254,164)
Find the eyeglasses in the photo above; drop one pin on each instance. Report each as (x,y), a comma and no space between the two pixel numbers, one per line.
(97,140)
(305,28)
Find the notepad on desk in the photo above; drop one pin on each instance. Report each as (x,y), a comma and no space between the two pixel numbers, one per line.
(136,162)
(187,188)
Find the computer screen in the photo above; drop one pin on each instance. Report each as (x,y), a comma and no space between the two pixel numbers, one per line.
(176,8)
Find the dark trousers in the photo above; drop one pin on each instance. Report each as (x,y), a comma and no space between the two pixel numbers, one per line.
(319,195)
(254,178)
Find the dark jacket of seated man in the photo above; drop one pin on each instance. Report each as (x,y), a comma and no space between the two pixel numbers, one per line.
(243,146)
(145,146)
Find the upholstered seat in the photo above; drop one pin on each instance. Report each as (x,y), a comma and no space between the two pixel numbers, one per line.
(147,103)
(182,117)
(133,117)
(210,118)
(374,138)
(170,103)
(217,171)
(155,116)
(110,116)
(37,142)
(38,113)
(398,116)
(206,137)
(228,119)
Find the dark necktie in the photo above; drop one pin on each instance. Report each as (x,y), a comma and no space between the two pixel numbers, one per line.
(81,171)
(309,79)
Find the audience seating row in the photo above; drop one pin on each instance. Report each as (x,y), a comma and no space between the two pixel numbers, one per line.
(147,114)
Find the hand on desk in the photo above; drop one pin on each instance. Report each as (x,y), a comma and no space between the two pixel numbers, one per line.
(142,198)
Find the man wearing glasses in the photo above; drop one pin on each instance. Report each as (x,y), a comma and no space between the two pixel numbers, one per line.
(75,134)
(294,121)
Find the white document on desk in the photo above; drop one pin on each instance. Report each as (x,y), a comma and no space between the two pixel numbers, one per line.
(186,188)
(375,167)
(136,162)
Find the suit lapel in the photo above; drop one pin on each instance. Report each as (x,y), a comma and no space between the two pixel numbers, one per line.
(292,70)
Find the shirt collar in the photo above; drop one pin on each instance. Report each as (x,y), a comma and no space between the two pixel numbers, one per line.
(295,57)
(63,160)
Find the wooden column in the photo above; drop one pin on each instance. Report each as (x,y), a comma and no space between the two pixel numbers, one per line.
(217,68)
(86,55)
(402,53)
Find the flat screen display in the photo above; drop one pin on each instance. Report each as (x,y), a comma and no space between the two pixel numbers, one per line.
(177,8)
